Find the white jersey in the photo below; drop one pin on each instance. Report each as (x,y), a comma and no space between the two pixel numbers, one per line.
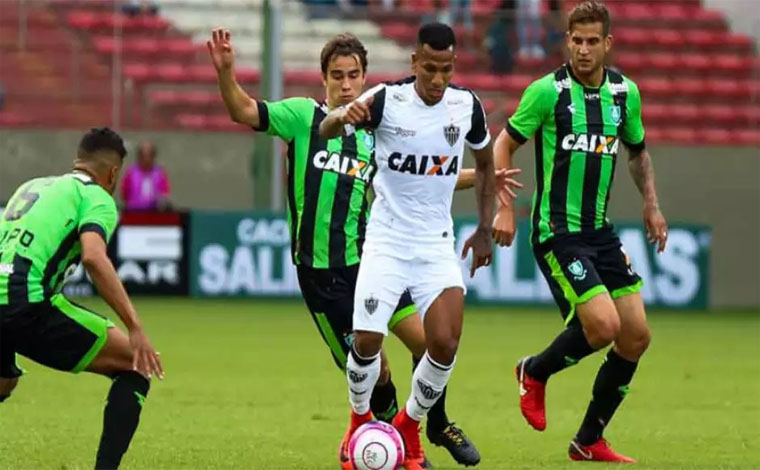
(418,154)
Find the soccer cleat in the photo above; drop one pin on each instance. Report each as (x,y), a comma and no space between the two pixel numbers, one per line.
(457,443)
(532,393)
(356,421)
(414,457)
(599,451)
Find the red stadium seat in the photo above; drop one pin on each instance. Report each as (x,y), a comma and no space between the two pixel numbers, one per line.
(720,114)
(632,37)
(663,61)
(515,83)
(655,135)
(711,19)
(747,137)
(656,87)
(715,136)
(699,63)
(303,77)
(138,72)
(630,62)
(668,38)
(681,135)
(191,121)
(704,39)
(655,113)
(685,114)
(733,64)
(480,81)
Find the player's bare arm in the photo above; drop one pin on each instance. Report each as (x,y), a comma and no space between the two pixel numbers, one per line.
(354,114)
(642,171)
(504,180)
(504,227)
(103,274)
(241,107)
(485,189)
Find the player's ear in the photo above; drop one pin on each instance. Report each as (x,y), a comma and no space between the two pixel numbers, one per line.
(324,79)
(414,62)
(608,43)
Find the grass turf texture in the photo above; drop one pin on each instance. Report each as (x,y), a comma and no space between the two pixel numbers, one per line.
(249,384)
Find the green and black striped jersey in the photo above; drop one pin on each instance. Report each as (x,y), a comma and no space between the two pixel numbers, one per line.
(39,234)
(327,182)
(578,133)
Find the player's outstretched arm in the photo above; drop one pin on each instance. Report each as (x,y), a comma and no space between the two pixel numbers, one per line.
(504,180)
(241,107)
(485,190)
(355,114)
(504,222)
(642,171)
(103,275)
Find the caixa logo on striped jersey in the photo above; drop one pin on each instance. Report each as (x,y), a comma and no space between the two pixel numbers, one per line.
(337,163)
(591,143)
(440,165)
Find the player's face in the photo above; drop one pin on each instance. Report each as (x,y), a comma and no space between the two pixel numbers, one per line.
(588,47)
(344,80)
(434,70)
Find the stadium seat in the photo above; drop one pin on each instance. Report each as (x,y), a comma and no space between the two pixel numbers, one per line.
(696,63)
(715,136)
(746,137)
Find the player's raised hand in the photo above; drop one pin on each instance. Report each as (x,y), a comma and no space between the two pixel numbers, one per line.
(482,250)
(357,112)
(146,360)
(220,49)
(505,182)
(504,226)
(656,227)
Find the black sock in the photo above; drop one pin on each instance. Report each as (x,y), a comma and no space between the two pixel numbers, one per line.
(120,417)
(383,402)
(436,417)
(566,350)
(610,387)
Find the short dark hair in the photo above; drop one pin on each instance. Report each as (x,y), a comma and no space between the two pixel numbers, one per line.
(345,44)
(590,11)
(438,36)
(101,138)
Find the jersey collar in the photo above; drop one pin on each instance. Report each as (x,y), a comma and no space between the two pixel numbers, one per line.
(575,79)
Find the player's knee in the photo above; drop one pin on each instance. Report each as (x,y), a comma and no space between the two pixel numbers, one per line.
(367,344)
(385,373)
(602,331)
(444,350)
(635,346)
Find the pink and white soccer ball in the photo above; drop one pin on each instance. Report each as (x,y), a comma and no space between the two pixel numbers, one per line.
(376,446)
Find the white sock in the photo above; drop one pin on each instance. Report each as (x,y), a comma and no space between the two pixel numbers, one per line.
(428,382)
(362,374)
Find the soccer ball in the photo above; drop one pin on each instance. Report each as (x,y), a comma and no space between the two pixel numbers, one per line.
(376,446)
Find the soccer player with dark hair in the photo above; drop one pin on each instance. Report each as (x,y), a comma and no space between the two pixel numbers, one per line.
(51,224)
(328,180)
(421,125)
(580,114)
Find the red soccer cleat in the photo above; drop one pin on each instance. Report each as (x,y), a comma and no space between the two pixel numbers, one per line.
(356,421)
(414,458)
(532,394)
(599,451)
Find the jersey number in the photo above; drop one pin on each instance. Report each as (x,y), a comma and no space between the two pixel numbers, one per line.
(27,198)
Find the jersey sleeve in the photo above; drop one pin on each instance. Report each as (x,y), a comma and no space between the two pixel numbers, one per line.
(633,127)
(377,106)
(478,136)
(97,213)
(535,106)
(286,117)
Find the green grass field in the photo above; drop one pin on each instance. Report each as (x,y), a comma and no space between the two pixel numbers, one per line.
(249,384)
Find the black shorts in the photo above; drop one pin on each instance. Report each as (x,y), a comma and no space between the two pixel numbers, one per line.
(579,267)
(329,295)
(56,333)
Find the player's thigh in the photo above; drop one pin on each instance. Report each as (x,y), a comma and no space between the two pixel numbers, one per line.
(635,335)
(379,286)
(65,336)
(428,280)
(615,269)
(116,355)
(9,334)
(406,324)
(569,269)
(329,296)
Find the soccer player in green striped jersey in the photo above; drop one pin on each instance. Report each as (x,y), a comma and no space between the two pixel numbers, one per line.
(328,208)
(51,224)
(580,114)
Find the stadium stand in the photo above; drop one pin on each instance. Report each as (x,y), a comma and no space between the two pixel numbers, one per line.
(700,82)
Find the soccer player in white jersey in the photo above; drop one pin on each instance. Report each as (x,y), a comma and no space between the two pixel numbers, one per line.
(421,125)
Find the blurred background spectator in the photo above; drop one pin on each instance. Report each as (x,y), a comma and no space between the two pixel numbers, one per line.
(145,185)
(137,7)
(499,38)
(529,28)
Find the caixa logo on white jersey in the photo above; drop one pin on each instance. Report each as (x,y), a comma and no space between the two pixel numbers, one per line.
(591,143)
(337,163)
(438,165)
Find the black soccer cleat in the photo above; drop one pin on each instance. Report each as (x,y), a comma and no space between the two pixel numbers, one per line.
(457,443)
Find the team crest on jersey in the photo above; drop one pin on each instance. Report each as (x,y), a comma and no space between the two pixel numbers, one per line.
(369,141)
(577,270)
(451,132)
(371,303)
(615,114)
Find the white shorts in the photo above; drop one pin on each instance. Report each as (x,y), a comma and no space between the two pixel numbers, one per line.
(383,277)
